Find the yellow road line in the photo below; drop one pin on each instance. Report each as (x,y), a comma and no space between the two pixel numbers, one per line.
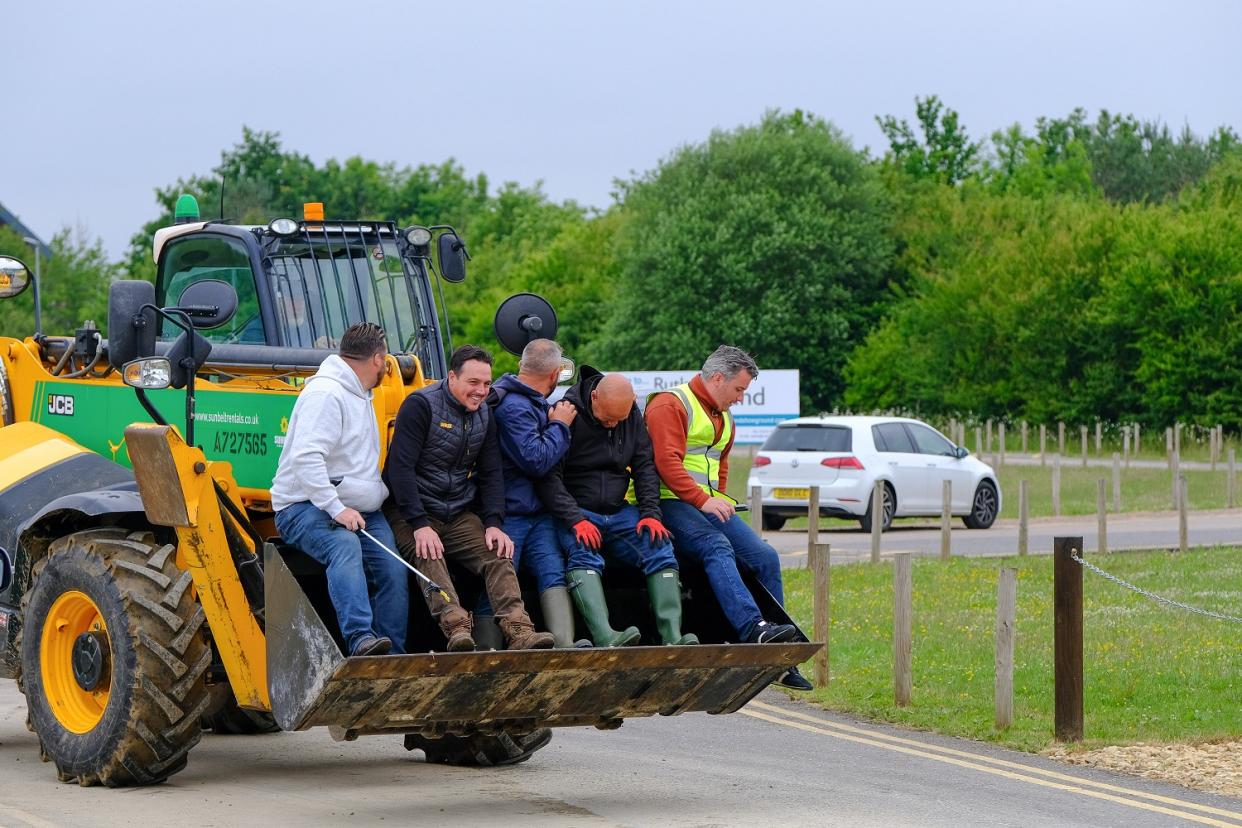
(1020,777)
(1001,762)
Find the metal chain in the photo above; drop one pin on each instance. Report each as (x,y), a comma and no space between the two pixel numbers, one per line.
(1160,599)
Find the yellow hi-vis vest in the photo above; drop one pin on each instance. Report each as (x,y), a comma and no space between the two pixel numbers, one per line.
(703,450)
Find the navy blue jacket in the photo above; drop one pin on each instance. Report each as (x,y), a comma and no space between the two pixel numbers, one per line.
(530,444)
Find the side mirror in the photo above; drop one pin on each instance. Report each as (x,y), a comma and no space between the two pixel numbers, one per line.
(961,452)
(189,345)
(131,330)
(521,318)
(453,257)
(147,373)
(209,303)
(14,277)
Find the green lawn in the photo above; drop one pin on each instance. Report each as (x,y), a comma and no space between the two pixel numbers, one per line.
(1142,490)
(1152,673)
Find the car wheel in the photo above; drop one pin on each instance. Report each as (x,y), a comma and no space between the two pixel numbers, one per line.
(890,507)
(983,508)
(773,523)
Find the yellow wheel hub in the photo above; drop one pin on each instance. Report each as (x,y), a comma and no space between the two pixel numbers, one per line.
(73,615)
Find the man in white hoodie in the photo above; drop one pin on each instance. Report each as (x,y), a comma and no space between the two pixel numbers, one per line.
(328,486)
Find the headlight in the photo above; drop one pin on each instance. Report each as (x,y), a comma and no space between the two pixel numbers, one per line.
(567,370)
(283,227)
(418,236)
(148,372)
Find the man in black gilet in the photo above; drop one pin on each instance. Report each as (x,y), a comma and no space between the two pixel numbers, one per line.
(448,501)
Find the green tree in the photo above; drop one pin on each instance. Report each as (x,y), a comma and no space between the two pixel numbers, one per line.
(73,284)
(773,237)
(943,152)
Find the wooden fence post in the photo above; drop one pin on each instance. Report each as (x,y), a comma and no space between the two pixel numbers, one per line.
(1067,639)
(1137,441)
(1001,439)
(812,522)
(1116,482)
(1125,445)
(978,441)
(821,578)
(1175,471)
(1024,518)
(1182,506)
(1168,445)
(1056,484)
(756,509)
(1024,436)
(1212,448)
(1101,511)
(989,443)
(1043,444)
(1006,612)
(877,519)
(1099,439)
(1061,437)
(1084,446)
(903,611)
(1177,437)
(946,518)
(1231,482)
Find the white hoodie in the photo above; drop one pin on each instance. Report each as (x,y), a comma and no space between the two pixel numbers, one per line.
(332,436)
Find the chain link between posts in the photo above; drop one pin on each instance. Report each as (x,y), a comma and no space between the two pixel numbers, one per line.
(1159,599)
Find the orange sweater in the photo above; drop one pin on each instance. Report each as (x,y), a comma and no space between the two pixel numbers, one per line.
(667,425)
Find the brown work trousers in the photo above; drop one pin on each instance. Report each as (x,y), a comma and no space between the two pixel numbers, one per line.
(464,545)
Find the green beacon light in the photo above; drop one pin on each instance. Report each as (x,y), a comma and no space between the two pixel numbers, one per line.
(187,210)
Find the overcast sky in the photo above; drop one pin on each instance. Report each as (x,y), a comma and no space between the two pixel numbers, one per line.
(104,105)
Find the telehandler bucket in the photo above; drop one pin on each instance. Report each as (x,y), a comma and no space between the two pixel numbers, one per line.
(312,684)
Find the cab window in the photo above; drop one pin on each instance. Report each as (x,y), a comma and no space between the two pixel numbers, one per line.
(212,257)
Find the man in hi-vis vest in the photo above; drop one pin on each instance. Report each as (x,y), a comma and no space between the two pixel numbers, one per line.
(692,432)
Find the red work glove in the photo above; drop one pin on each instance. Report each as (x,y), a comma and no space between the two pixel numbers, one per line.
(659,533)
(588,534)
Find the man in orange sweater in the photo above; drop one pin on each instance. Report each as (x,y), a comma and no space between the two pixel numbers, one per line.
(692,432)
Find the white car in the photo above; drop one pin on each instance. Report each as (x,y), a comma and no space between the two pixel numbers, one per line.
(845,456)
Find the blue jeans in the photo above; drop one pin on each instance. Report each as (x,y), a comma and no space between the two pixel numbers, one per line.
(721,549)
(537,549)
(369,588)
(621,542)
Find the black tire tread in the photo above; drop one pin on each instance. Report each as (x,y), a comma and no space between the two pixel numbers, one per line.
(171,658)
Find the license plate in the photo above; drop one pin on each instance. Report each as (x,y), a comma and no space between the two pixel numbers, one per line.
(791,494)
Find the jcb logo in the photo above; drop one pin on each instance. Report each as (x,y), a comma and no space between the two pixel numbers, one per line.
(60,404)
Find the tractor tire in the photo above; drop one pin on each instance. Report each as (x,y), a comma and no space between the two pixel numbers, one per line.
(113,659)
(226,718)
(480,751)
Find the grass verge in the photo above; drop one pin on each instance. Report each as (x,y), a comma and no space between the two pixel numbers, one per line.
(1152,673)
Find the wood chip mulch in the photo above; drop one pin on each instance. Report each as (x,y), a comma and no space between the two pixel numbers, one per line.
(1214,767)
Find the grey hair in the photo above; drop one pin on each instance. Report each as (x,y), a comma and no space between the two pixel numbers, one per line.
(540,356)
(729,361)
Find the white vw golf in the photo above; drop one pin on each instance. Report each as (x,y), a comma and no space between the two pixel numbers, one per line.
(845,456)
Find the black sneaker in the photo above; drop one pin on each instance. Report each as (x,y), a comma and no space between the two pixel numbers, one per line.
(372,646)
(794,680)
(768,633)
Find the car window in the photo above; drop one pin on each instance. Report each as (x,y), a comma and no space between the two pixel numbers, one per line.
(892,437)
(928,441)
(810,438)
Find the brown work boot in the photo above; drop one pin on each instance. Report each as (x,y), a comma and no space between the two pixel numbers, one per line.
(521,635)
(456,624)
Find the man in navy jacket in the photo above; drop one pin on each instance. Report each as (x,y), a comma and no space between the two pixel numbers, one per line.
(534,436)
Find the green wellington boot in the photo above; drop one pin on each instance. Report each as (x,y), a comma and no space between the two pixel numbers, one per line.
(558,617)
(664,590)
(588,592)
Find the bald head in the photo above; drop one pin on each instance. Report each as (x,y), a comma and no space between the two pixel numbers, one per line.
(612,400)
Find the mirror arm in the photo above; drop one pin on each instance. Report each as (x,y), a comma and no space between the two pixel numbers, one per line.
(150,406)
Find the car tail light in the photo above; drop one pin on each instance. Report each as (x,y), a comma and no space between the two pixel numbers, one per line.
(760,460)
(842,463)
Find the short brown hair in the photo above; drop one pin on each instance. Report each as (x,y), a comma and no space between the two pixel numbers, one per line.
(466,353)
(363,341)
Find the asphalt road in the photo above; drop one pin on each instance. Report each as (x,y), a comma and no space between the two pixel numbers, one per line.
(1155,530)
(776,763)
